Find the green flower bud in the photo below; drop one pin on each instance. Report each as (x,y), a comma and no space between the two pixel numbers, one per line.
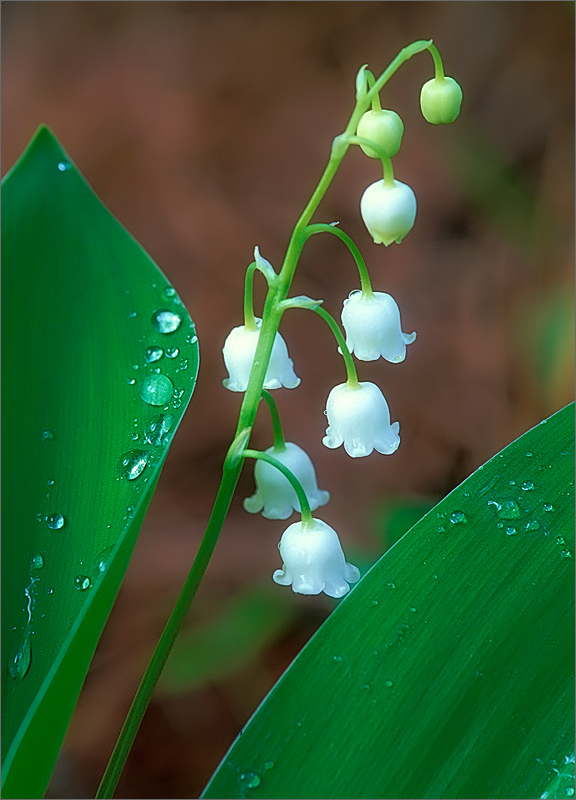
(384,128)
(440,100)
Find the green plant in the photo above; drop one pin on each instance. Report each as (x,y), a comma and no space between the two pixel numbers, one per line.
(444,673)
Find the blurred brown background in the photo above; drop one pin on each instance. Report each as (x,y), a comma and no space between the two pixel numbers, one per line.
(204,126)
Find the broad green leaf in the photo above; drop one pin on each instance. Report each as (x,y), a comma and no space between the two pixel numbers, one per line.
(95,382)
(448,671)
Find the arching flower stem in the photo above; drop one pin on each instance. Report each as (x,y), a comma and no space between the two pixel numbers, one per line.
(249,318)
(352,379)
(295,483)
(358,258)
(279,441)
(438,65)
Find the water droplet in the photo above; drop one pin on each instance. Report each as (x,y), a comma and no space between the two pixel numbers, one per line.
(335,658)
(172,352)
(158,428)
(560,540)
(510,531)
(156,390)
(529,454)
(366,687)
(63,166)
(457,517)
(193,339)
(506,509)
(548,507)
(153,354)
(413,610)
(133,463)
(47,435)
(131,381)
(55,521)
(269,764)
(375,602)
(133,314)
(50,591)
(532,525)
(512,483)
(441,529)
(388,684)
(134,436)
(82,582)
(19,665)
(101,561)
(165,321)
(570,791)
(565,554)
(169,291)
(527,486)
(50,482)
(37,561)
(390,585)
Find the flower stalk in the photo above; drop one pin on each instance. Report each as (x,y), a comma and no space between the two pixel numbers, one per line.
(278,289)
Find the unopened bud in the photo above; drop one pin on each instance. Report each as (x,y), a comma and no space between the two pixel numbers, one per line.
(440,100)
(384,128)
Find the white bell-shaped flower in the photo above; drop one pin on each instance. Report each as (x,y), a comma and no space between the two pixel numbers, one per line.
(274,494)
(388,211)
(313,560)
(373,328)
(359,418)
(239,349)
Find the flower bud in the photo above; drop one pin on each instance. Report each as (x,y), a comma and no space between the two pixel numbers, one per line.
(388,211)
(440,100)
(384,128)
(313,560)
(274,495)
(373,329)
(239,350)
(359,418)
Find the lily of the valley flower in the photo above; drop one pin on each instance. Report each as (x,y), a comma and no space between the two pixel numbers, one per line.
(239,349)
(388,211)
(313,560)
(274,495)
(373,329)
(359,418)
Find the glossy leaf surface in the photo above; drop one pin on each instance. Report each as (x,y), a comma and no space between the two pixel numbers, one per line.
(447,672)
(99,362)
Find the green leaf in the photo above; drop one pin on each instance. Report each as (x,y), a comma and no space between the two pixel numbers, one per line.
(88,415)
(448,671)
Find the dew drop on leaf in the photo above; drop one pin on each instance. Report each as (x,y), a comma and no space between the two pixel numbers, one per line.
(527,486)
(506,509)
(19,664)
(63,166)
(250,780)
(457,517)
(158,428)
(156,390)
(55,521)
(37,561)
(133,463)
(172,352)
(165,321)
(548,507)
(153,354)
(47,434)
(169,291)
(510,531)
(532,525)
(388,684)
(82,582)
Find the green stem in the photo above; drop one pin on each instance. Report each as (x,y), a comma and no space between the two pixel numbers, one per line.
(249,318)
(279,442)
(376,98)
(352,380)
(438,65)
(294,482)
(272,314)
(169,634)
(350,244)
